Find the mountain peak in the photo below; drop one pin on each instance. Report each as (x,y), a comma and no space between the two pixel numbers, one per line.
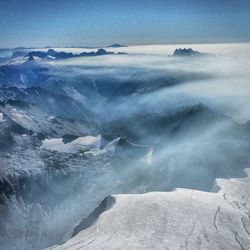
(187,52)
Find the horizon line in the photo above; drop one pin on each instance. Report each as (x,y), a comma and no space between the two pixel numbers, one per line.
(122,45)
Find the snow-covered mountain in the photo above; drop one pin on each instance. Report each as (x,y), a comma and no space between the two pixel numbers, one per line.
(74,131)
(181,219)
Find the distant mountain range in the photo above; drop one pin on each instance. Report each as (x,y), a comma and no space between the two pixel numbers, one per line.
(115,45)
(52,54)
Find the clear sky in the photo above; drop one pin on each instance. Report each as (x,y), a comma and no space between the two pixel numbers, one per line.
(102,22)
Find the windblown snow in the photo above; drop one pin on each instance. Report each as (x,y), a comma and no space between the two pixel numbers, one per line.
(182,219)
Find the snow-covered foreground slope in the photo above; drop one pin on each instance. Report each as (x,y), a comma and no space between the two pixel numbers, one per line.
(182,219)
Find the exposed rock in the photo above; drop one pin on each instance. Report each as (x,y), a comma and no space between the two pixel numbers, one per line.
(187,52)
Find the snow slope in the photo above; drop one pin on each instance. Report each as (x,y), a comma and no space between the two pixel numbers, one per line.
(79,144)
(182,219)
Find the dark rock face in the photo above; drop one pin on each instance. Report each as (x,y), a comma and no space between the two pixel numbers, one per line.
(103,52)
(105,205)
(187,52)
(31,58)
(51,52)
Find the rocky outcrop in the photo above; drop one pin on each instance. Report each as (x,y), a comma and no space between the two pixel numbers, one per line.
(187,52)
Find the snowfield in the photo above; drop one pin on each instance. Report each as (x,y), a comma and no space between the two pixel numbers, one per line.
(80,144)
(182,219)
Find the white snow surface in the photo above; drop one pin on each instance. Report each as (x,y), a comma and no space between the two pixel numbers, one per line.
(182,219)
(80,144)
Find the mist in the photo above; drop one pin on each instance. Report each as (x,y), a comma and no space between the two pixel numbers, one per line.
(165,122)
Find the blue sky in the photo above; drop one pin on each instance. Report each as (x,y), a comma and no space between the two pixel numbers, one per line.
(102,22)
